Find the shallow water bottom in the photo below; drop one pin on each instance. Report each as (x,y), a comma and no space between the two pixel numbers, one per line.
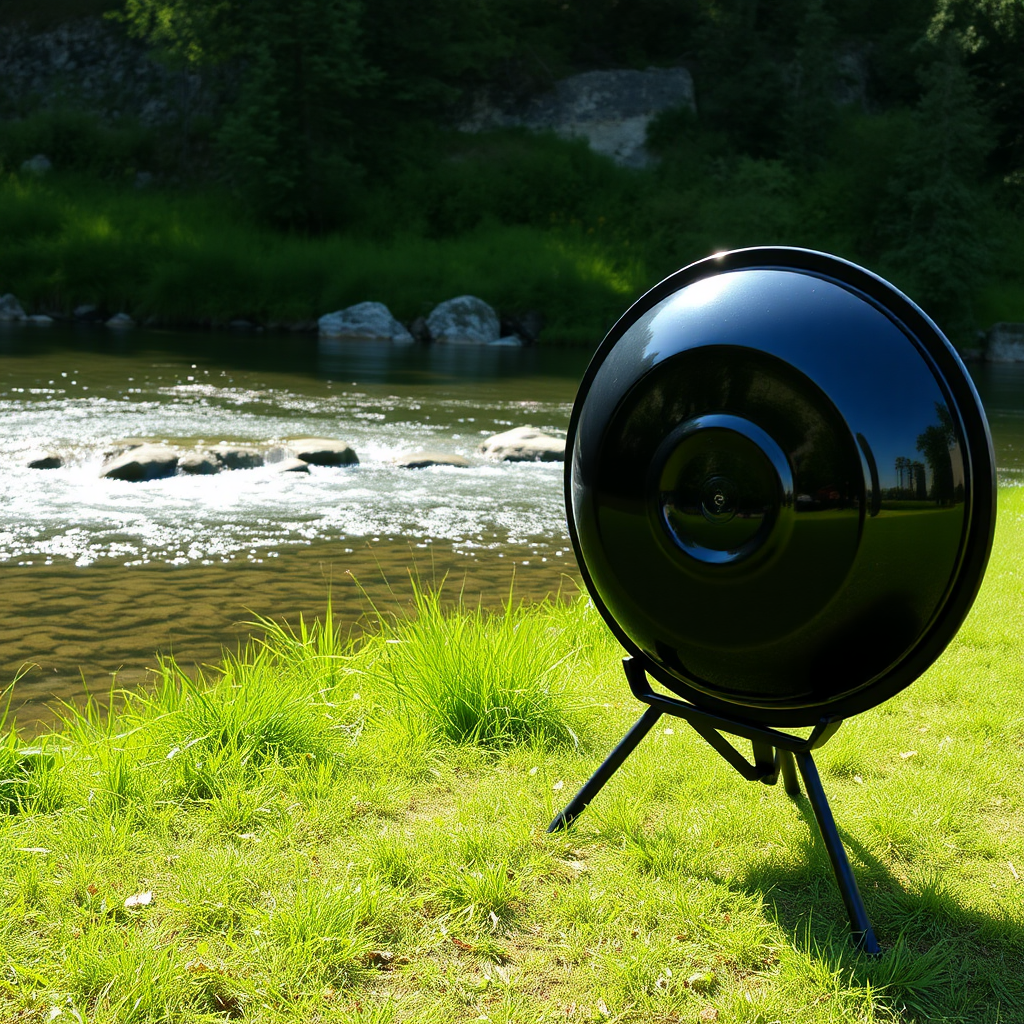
(71,631)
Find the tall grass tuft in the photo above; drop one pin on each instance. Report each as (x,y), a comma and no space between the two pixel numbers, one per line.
(488,679)
(271,703)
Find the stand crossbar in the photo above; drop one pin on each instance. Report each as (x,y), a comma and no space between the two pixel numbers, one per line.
(774,753)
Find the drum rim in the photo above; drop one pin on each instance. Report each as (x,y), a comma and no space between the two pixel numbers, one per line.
(980,498)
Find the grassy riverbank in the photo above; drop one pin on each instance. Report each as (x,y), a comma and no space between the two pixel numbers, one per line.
(319,832)
(528,224)
(193,259)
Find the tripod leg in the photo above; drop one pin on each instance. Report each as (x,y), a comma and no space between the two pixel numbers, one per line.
(863,934)
(789,776)
(612,762)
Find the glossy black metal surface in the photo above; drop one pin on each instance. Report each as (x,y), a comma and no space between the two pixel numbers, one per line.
(780,486)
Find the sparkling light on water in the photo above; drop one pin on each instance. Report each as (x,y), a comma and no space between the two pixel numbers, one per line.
(71,514)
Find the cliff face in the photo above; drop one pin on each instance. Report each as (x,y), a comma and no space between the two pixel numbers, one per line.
(91,64)
(610,109)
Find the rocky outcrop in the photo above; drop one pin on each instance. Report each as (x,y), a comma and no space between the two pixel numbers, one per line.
(366,321)
(610,109)
(1006,343)
(425,459)
(91,64)
(465,320)
(143,462)
(524,444)
(44,460)
(322,451)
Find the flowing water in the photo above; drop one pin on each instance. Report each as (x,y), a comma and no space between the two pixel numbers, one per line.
(98,575)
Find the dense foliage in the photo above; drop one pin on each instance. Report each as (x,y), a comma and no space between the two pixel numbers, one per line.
(889,133)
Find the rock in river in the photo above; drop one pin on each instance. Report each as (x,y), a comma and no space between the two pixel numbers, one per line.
(235,457)
(44,460)
(145,462)
(422,460)
(524,444)
(322,451)
(289,466)
(465,320)
(199,463)
(366,321)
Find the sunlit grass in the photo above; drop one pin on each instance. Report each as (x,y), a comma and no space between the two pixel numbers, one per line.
(299,837)
(185,258)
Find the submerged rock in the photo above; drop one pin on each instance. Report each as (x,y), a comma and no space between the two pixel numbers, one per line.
(322,451)
(145,462)
(366,321)
(465,320)
(87,312)
(424,459)
(524,444)
(289,465)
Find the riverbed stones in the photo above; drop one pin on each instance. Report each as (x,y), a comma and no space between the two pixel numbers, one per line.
(366,321)
(237,457)
(464,320)
(145,462)
(524,444)
(44,460)
(199,464)
(425,459)
(10,308)
(322,451)
(120,321)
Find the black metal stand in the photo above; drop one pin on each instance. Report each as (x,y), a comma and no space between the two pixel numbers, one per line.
(774,753)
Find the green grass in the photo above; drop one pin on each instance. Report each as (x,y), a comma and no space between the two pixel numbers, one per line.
(324,830)
(188,259)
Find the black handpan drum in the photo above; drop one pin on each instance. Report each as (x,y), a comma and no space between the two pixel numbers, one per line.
(780,486)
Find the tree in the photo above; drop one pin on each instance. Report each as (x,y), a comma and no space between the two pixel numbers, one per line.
(935,214)
(811,107)
(989,34)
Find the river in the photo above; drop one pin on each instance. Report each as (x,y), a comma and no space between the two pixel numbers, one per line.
(98,575)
